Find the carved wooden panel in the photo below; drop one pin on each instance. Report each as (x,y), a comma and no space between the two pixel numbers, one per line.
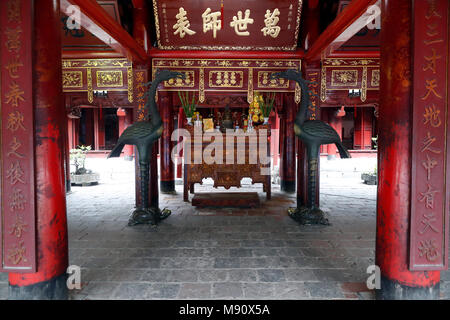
(228,75)
(88,75)
(247,160)
(338,75)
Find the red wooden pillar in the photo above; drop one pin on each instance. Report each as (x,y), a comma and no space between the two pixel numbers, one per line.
(287,163)
(67,158)
(181,120)
(49,282)
(394,160)
(141,32)
(96,129)
(128,120)
(281,131)
(311,72)
(167,167)
(123,115)
(273,138)
(325,117)
(70,133)
(335,120)
(99,129)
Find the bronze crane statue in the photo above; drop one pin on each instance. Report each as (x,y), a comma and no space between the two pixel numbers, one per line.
(143,134)
(313,133)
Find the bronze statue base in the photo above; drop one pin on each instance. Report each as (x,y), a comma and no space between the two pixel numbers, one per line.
(308,216)
(148,216)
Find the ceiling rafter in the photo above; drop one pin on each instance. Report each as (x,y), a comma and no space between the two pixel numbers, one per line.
(97,21)
(352,19)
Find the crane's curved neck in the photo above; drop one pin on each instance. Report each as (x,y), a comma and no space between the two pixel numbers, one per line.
(155,117)
(302,113)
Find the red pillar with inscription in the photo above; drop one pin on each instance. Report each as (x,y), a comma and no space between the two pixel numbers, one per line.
(49,280)
(167,167)
(395,150)
(141,32)
(287,162)
(181,120)
(311,72)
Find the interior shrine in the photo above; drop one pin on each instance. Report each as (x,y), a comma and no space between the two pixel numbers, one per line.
(79,73)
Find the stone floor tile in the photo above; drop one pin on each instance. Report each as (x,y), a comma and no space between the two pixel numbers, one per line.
(195,291)
(227,290)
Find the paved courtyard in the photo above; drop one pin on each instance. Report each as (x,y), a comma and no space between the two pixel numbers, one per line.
(223,253)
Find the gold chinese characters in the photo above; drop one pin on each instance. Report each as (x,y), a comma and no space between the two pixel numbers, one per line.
(212,21)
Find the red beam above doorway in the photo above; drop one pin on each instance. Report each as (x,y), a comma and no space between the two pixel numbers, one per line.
(352,19)
(97,21)
(210,54)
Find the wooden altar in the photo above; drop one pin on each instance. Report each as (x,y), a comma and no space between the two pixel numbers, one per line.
(246,155)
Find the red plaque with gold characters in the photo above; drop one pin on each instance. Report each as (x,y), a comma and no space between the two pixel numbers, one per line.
(227,25)
(430,159)
(17,223)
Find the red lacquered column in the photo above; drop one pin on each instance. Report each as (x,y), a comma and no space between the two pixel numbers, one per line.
(128,120)
(181,120)
(310,33)
(394,161)
(141,32)
(335,121)
(288,151)
(167,167)
(49,282)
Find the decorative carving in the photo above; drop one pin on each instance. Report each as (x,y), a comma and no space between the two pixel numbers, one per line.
(227,175)
(95,63)
(72,79)
(265,82)
(348,78)
(250,86)
(323,85)
(236,101)
(130,84)
(89,85)
(375,81)
(364,85)
(226,79)
(201,89)
(350,62)
(74,112)
(108,78)
(189,81)
(349,73)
